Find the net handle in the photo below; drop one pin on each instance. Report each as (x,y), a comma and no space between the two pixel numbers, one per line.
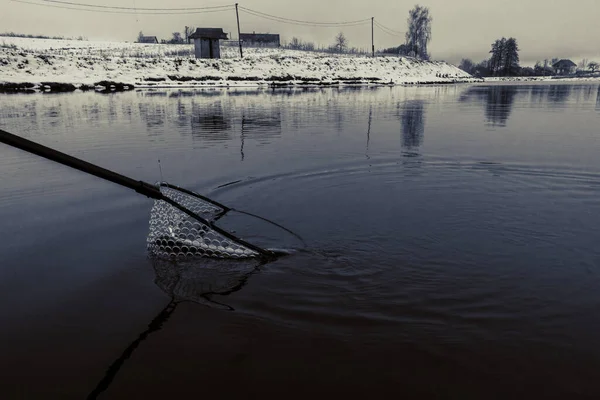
(141,187)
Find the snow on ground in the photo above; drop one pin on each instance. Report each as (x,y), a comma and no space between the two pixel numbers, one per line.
(88,62)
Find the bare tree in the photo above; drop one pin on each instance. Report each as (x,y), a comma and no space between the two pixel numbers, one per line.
(594,66)
(341,43)
(187,32)
(295,44)
(310,46)
(418,34)
(467,65)
(583,64)
(140,37)
(176,37)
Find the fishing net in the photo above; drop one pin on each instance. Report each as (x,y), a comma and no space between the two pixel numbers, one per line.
(174,233)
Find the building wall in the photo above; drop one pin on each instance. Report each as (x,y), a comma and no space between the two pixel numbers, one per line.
(207,48)
(216,48)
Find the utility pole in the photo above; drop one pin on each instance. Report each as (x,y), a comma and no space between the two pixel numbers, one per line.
(372,36)
(237,14)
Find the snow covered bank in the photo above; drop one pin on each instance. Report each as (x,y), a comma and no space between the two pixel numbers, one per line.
(53,62)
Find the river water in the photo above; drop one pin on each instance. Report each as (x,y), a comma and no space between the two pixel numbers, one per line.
(449,244)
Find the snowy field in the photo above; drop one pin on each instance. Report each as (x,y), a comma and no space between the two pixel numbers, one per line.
(151,65)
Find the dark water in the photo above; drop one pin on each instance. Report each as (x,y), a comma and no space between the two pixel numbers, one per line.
(451,245)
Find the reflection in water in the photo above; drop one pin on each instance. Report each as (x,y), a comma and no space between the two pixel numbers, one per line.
(155,325)
(261,123)
(413,124)
(559,93)
(242,141)
(196,281)
(259,117)
(390,265)
(153,113)
(498,101)
(210,122)
(598,99)
(588,92)
(499,104)
(369,131)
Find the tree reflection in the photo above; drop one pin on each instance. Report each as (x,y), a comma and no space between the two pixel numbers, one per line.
(413,123)
(499,104)
(209,122)
(598,99)
(559,93)
(498,101)
(196,281)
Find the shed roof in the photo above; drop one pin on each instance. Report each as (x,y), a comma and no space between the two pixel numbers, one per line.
(564,63)
(260,37)
(148,39)
(208,33)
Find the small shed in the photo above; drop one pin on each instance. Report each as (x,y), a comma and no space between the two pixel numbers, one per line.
(206,42)
(148,39)
(260,39)
(564,67)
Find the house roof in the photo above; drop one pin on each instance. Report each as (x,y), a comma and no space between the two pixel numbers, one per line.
(148,39)
(260,37)
(564,63)
(208,33)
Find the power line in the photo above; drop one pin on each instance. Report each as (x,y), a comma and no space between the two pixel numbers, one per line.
(134,8)
(391,34)
(128,10)
(388,30)
(302,22)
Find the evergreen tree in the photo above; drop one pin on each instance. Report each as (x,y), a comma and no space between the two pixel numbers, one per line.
(497,58)
(504,60)
(511,57)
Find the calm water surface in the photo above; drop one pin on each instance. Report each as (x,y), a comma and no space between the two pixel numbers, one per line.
(451,245)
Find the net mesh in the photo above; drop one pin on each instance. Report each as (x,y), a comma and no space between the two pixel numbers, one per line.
(175,234)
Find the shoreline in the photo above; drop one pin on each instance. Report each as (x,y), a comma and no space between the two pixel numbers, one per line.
(62,66)
(114,87)
(46,65)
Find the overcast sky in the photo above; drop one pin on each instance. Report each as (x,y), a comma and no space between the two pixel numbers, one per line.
(461,28)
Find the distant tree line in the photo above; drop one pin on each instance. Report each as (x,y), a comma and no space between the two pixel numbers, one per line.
(504,61)
(297,44)
(176,37)
(402,50)
(340,45)
(22,35)
(417,38)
